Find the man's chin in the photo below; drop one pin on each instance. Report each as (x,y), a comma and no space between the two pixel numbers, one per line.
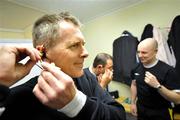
(78,74)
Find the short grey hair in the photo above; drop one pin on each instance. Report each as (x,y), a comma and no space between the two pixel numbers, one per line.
(46,29)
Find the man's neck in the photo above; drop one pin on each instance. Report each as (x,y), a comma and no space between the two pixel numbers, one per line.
(152,64)
(92,70)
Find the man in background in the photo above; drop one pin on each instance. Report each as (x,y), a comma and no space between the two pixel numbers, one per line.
(148,103)
(101,69)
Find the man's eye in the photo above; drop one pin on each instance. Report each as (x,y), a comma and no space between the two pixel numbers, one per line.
(74,46)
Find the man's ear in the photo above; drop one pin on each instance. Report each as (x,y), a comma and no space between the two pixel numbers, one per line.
(41,49)
(99,66)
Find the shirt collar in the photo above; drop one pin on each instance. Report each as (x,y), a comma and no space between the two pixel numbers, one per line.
(90,69)
(151,65)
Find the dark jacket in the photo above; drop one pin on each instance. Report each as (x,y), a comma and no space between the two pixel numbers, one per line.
(124,57)
(23,105)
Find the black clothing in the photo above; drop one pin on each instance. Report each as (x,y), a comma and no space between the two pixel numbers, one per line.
(174,42)
(174,36)
(89,74)
(124,57)
(4,92)
(149,97)
(147,32)
(152,114)
(23,105)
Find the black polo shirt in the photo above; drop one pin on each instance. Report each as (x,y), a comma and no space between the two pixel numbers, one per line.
(149,96)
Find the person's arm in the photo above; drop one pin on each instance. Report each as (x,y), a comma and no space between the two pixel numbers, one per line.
(10,69)
(170,95)
(133,98)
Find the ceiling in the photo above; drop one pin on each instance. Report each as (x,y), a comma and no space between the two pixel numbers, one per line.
(16,15)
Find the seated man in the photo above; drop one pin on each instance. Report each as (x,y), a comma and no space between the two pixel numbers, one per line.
(102,69)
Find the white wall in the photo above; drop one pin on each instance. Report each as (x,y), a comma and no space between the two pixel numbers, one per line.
(101,32)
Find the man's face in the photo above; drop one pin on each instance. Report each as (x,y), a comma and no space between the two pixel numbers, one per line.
(146,54)
(69,52)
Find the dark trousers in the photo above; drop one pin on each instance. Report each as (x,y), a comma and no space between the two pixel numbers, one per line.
(145,113)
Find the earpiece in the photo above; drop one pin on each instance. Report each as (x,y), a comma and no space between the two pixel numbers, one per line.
(41,49)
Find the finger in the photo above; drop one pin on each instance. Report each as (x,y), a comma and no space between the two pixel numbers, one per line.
(22,51)
(147,80)
(107,72)
(149,76)
(51,68)
(133,113)
(36,54)
(148,73)
(100,76)
(31,52)
(111,73)
(44,85)
(49,83)
(39,94)
(59,76)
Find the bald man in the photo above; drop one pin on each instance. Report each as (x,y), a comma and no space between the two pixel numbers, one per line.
(147,101)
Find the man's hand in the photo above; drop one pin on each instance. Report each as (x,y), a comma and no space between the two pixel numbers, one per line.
(54,88)
(105,79)
(133,109)
(10,69)
(151,80)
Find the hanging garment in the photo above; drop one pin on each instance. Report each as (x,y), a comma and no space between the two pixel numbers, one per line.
(124,57)
(174,40)
(147,32)
(164,53)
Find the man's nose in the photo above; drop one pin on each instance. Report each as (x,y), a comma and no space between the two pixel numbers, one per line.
(85,53)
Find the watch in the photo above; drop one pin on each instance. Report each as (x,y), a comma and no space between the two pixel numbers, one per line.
(158,86)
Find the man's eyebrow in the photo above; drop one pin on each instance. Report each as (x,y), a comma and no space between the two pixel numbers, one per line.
(74,42)
(77,41)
